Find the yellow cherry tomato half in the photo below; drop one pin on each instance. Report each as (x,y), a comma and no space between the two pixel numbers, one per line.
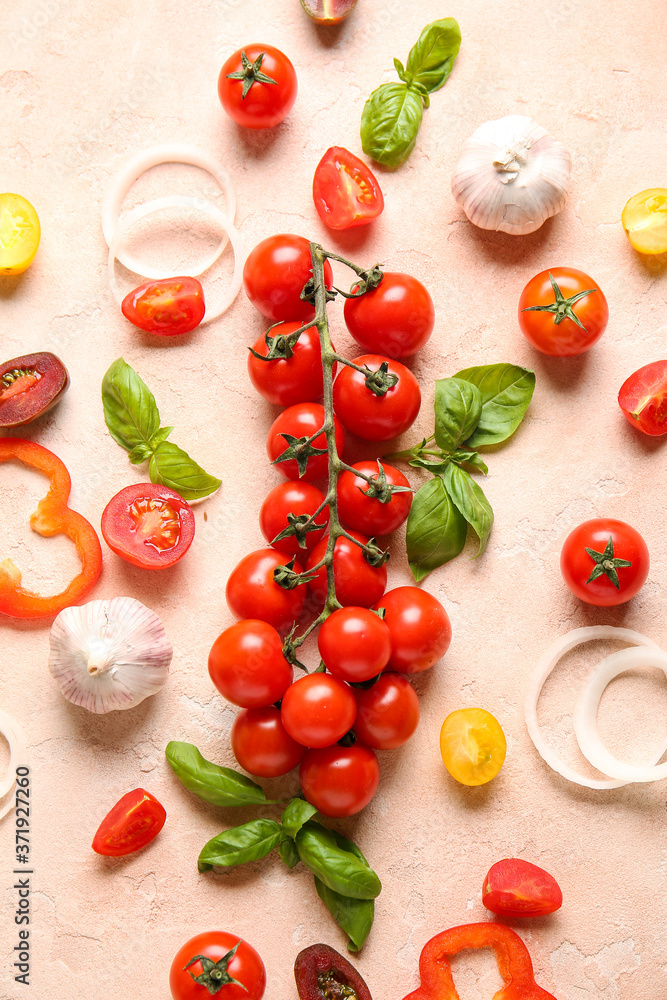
(19,233)
(644,219)
(472,745)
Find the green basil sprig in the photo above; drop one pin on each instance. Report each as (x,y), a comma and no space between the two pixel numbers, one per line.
(393,113)
(221,786)
(476,407)
(133,419)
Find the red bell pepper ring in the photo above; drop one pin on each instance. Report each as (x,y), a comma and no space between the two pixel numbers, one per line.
(52,517)
(511,953)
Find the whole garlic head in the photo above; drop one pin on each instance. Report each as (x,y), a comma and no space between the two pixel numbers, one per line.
(108,655)
(512,175)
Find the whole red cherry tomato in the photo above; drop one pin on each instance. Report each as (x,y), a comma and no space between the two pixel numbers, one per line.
(376,418)
(301,422)
(643,398)
(345,191)
(354,644)
(239,972)
(373,509)
(318,709)
(339,781)
(387,712)
(395,319)
(274,275)
(514,888)
(148,525)
(262,745)
(357,582)
(252,591)
(604,562)
(134,821)
(302,500)
(257,86)
(247,665)
(419,628)
(168,307)
(295,375)
(562,312)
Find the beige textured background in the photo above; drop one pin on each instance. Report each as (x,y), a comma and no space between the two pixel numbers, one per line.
(83,83)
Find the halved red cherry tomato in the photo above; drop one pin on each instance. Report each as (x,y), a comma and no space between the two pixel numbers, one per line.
(345,191)
(30,386)
(275,273)
(168,308)
(301,422)
(604,562)
(247,665)
(257,86)
(371,416)
(300,499)
(395,319)
(373,509)
(318,709)
(252,591)
(355,644)
(339,781)
(357,582)
(134,821)
(562,312)
(419,627)
(294,375)
(239,970)
(148,525)
(262,745)
(643,398)
(515,888)
(387,712)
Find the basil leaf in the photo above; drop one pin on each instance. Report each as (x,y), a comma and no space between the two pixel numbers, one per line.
(465,457)
(248,842)
(160,436)
(390,122)
(296,814)
(172,467)
(222,786)
(130,410)
(431,59)
(140,454)
(506,392)
(471,501)
(458,405)
(288,852)
(436,529)
(355,916)
(336,866)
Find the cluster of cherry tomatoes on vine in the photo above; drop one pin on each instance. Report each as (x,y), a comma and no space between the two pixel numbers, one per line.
(369,641)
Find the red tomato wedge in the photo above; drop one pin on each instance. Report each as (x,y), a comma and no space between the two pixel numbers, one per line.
(515,888)
(643,398)
(168,308)
(148,525)
(345,191)
(134,821)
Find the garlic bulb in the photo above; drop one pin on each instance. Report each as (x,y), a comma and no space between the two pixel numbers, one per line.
(512,175)
(109,655)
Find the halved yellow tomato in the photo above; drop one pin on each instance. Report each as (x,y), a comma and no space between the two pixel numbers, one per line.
(472,745)
(19,233)
(644,219)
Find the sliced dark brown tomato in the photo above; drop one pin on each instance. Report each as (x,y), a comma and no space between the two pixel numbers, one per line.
(345,191)
(168,308)
(322,974)
(29,386)
(148,525)
(328,11)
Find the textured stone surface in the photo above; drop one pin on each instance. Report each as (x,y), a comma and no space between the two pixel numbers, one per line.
(82,84)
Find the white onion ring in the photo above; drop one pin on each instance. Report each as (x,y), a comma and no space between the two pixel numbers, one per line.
(11,730)
(154,157)
(585,715)
(182,201)
(547,662)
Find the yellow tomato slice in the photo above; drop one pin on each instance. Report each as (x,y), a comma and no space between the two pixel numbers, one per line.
(472,745)
(19,233)
(645,220)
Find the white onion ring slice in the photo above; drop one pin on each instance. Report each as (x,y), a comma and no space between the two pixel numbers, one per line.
(154,157)
(11,730)
(547,662)
(585,715)
(198,204)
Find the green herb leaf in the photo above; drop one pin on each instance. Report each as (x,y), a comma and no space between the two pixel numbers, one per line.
(160,436)
(329,857)
(431,59)
(463,456)
(296,814)
(436,529)
(458,405)
(172,467)
(140,454)
(288,852)
(471,501)
(390,122)
(222,786)
(240,844)
(130,410)
(506,392)
(355,916)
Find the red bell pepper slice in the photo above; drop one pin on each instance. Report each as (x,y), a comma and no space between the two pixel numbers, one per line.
(52,517)
(511,953)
